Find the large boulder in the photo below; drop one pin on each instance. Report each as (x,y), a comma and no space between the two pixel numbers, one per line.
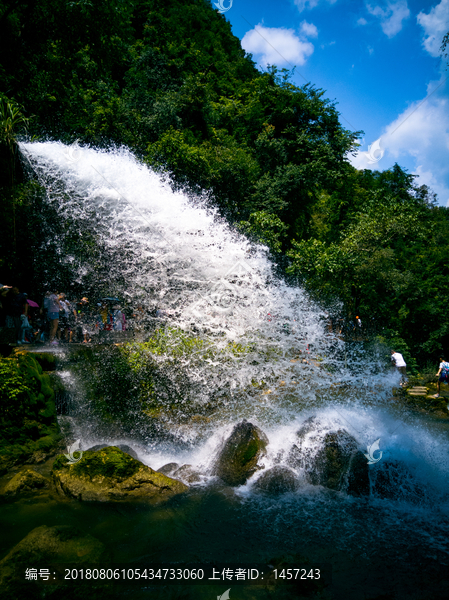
(276,481)
(25,482)
(123,447)
(240,455)
(42,547)
(110,474)
(330,458)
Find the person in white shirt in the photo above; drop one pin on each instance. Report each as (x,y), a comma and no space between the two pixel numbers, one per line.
(400,364)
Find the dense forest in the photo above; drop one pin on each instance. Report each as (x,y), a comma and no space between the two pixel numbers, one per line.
(169,80)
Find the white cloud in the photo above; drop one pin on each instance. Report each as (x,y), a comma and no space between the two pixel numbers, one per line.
(309,29)
(362,21)
(276,46)
(435,25)
(303,4)
(420,135)
(391,17)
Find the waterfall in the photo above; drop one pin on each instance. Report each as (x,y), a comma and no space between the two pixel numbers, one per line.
(266,352)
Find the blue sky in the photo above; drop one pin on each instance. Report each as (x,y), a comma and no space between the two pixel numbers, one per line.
(378,59)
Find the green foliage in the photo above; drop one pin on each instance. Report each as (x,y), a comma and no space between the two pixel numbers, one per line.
(171,81)
(25,393)
(386,264)
(266,228)
(27,410)
(170,341)
(12,120)
(12,385)
(444,45)
(174,343)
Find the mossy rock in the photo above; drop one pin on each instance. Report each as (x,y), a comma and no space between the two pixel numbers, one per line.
(112,475)
(47,361)
(33,374)
(239,457)
(25,482)
(123,447)
(46,546)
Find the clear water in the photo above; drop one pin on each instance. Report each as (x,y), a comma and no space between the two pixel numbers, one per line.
(166,251)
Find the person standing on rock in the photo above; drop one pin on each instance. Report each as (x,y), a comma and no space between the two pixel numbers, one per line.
(443,375)
(398,360)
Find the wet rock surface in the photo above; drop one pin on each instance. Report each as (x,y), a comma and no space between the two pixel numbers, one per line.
(330,458)
(25,482)
(276,481)
(188,474)
(169,468)
(112,475)
(42,547)
(240,455)
(357,478)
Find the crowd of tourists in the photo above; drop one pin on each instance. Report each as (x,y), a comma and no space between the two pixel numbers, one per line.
(57,319)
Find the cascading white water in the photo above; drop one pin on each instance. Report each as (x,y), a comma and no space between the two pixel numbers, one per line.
(141,242)
(166,251)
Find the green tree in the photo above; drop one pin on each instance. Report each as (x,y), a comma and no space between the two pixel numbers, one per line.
(12,121)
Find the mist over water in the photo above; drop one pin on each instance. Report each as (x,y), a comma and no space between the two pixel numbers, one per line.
(163,250)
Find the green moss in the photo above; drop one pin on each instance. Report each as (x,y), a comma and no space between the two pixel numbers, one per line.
(109,462)
(250,451)
(46,361)
(238,459)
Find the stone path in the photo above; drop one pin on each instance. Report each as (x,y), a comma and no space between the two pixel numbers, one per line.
(418,390)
